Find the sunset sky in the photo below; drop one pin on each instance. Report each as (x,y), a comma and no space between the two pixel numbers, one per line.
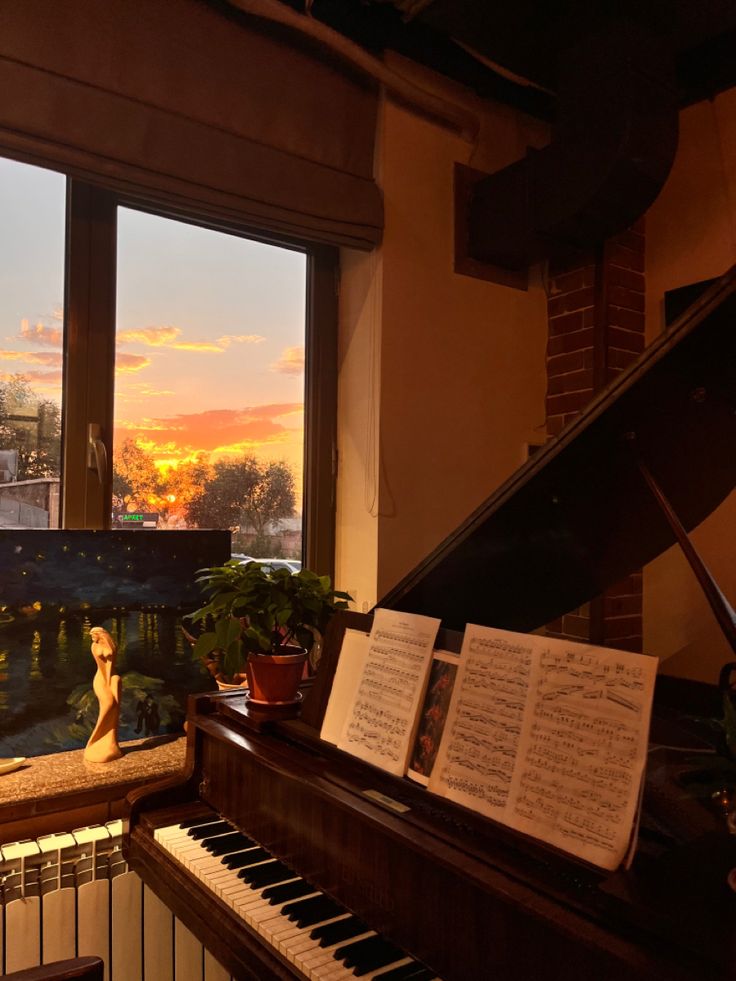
(210,328)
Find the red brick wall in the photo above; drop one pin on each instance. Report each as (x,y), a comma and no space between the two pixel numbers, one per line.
(595,310)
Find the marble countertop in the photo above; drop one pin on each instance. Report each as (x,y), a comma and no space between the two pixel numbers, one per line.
(65,774)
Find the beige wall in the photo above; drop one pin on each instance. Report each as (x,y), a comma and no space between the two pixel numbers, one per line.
(691,235)
(442,377)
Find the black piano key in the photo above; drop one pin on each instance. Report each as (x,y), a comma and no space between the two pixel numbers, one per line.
(407,972)
(332,933)
(379,959)
(241,860)
(308,912)
(268,875)
(209,830)
(248,873)
(229,843)
(388,955)
(348,951)
(286,891)
(369,954)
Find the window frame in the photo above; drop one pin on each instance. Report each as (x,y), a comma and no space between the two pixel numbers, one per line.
(89,347)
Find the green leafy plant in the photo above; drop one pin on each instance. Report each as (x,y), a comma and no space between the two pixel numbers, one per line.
(253,609)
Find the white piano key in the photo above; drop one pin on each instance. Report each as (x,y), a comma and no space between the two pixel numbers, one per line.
(318,956)
(330,969)
(321,960)
(276,929)
(387,967)
(289,930)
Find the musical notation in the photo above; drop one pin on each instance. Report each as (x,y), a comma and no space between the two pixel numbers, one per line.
(550,738)
(379,723)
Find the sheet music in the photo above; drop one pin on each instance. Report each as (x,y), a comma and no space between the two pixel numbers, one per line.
(549,737)
(380,724)
(353,654)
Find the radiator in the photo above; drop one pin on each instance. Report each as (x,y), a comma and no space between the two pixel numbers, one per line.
(72,894)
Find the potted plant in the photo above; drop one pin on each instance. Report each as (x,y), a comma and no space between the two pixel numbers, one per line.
(264,619)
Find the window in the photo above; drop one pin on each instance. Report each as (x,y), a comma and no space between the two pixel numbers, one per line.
(198,362)
(32,205)
(209,384)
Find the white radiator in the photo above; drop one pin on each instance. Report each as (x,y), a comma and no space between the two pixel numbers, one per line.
(68,895)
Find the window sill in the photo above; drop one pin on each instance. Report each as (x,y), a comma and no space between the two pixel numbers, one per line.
(61,791)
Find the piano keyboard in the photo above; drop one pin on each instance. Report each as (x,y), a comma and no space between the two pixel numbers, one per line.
(320,938)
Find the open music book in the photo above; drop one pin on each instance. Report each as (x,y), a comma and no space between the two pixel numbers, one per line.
(549,737)
(546,736)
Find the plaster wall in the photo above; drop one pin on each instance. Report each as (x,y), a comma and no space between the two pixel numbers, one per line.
(442,378)
(359,369)
(691,235)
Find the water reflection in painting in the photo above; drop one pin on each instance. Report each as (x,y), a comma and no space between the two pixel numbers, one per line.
(46,672)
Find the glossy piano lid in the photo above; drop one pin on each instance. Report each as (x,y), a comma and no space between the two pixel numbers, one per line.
(578,516)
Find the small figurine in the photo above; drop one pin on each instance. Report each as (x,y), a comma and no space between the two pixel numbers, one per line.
(102,746)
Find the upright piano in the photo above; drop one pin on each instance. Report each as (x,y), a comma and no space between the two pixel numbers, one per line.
(352,871)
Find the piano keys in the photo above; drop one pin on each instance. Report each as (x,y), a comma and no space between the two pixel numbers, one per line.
(321,938)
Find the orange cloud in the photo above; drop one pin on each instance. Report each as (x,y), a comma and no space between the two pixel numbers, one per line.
(40,333)
(130,362)
(291,361)
(215,431)
(153,336)
(32,357)
(147,425)
(227,339)
(135,391)
(197,346)
(168,336)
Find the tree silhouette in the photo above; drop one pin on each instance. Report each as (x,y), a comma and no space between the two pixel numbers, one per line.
(135,479)
(187,482)
(271,498)
(244,492)
(237,494)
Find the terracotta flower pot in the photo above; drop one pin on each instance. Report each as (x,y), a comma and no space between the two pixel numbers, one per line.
(238,682)
(273,679)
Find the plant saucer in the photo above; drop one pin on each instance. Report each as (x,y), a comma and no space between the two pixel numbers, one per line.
(258,701)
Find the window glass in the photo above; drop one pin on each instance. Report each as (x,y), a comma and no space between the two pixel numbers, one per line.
(209,391)
(32,221)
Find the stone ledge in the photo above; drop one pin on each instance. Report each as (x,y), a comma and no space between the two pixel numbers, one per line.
(61,791)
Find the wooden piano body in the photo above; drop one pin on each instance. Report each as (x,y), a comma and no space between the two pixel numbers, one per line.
(470,899)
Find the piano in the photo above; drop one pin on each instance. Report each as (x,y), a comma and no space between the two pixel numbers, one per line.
(290,859)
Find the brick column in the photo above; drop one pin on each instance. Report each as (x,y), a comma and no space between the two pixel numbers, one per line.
(595,310)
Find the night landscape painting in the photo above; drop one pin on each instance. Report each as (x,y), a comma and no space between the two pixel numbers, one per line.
(54,587)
